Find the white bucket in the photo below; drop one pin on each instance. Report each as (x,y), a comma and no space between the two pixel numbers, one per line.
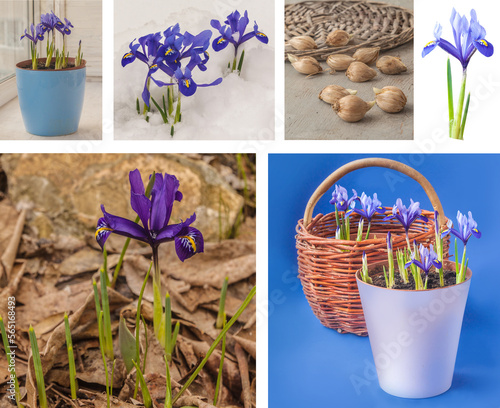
(414,335)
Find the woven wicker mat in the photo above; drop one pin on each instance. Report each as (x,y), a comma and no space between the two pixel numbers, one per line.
(372,24)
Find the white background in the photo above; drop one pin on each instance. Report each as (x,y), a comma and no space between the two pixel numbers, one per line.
(482,134)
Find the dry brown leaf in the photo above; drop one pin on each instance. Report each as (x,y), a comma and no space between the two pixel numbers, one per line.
(94,369)
(191,400)
(11,288)
(85,260)
(231,306)
(248,345)
(197,296)
(10,236)
(236,269)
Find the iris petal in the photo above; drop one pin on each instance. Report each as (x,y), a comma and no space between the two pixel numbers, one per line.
(188,244)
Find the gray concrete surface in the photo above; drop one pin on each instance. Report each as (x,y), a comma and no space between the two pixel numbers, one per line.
(307,117)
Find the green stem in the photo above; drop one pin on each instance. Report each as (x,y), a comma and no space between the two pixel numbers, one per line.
(137,325)
(108,337)
(103,355)
(368,230)
(37,363)
(168,391)
(466,111)
(221,367)
(157,301)
(450,95)
(71,358)
(455,131)
(461,275)
(243,306)
(168,327)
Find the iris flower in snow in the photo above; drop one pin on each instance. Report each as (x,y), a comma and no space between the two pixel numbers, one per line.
(469,38)
(154,213)
(166,53)
(235,25)
(341,200)
(467,228)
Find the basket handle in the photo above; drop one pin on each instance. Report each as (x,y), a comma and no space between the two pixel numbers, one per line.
(373,162)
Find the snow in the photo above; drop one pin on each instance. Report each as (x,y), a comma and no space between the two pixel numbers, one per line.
(241,107)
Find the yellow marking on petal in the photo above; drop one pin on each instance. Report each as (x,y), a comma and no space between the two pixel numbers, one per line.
(484,42)
(153,66)
(191,241)
(207,54)
(186,81)
(429,43)
(221,41)
(169,51)
(102,229)
(127,55)
(262,35)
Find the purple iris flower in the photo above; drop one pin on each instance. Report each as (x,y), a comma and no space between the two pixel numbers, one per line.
(468,37)
(154,214)
(235,24)
(341,200)
(467,228)
(406,216)
(37,34)
(167,56)
(369,205)
(428,258)
(49,21)
(64,29)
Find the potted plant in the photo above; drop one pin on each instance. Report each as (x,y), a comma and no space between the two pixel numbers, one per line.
(51,89)
(414,317)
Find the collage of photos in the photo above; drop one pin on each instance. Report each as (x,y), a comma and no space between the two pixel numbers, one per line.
(185,187)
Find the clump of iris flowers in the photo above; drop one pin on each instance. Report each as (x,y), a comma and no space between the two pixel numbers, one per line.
(469,37)
(154,212)
(233,32)
(177,56)
(50,23)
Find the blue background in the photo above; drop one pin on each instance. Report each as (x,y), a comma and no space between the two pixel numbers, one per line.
(310,365)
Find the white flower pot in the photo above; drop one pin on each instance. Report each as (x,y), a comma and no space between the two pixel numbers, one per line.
(414,335)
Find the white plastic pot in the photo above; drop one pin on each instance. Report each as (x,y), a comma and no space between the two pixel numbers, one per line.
(414,335)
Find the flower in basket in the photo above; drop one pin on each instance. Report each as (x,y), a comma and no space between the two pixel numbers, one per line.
(342,203)
(469,37)
(154,212)
(233,32)
(49,22)
(370,207)
(467,228)
(406,216)
(176,55)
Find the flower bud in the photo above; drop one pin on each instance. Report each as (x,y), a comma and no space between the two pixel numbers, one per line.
(367,55)
(303,42)
(333,93)
(339,62)
(391,65)
(390,99)
(338,38)
(305,65)
(352,108)
(360,72)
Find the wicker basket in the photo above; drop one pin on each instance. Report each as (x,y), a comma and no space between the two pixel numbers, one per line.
(327,266)
(371,24)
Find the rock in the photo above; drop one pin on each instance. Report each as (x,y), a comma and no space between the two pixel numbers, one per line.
(64,191)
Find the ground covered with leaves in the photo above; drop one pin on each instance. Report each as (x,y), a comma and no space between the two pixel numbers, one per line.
(51,276)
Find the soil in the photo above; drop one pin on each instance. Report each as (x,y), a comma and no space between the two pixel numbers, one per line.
(377,275)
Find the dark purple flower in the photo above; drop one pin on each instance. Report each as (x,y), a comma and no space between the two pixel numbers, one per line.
(154,214)
(341,200)
(467,227)
(235,24)
(406,216)
(369,205)
(64,29)
(428,258)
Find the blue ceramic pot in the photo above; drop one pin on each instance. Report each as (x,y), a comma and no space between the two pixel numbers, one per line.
(51,101)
